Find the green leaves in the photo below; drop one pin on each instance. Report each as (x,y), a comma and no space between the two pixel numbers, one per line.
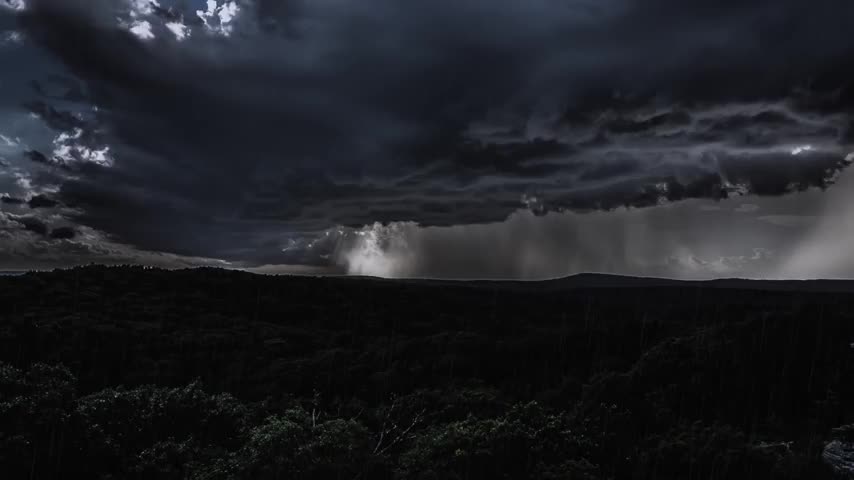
(525,442)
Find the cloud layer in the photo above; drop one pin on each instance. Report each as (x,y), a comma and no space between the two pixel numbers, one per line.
(246,130)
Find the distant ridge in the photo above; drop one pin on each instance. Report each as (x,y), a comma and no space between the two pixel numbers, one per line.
(572,282)
(604,280)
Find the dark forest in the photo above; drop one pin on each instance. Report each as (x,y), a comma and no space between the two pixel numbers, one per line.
(132,372)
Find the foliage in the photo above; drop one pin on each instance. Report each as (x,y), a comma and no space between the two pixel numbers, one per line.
(117,373)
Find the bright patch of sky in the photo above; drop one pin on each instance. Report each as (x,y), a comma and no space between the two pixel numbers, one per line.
(801,149)
(143,22)
(178,29)
(142,7)
(13,4)
(10,38)
(142,29)
(68,150)
(8,142)
(219,18)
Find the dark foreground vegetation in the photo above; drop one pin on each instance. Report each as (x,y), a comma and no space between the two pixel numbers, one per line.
(207,374)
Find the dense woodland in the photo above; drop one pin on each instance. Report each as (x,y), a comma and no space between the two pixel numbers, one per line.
(134,373)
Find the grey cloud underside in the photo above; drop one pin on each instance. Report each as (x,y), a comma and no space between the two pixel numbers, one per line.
(28,243)
(322,113)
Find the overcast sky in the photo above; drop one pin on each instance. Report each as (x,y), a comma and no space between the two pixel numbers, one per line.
(439,138)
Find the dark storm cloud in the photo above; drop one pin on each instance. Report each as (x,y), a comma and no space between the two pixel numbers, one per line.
(33,225)
(63,233)
(294,117)
(25,244)
(11,200)
(38,157)
(56,119)
(41,201)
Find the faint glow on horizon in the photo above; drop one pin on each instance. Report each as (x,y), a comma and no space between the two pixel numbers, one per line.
(376,251)
(802,148)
